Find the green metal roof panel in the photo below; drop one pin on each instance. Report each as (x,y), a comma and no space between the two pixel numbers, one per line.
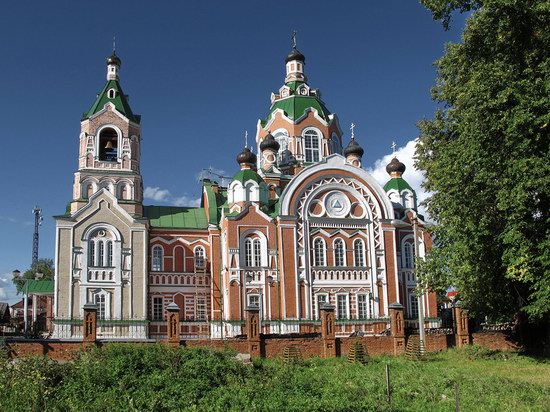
(39,286)
(246,175)
(120,101)
(294,107)
(397,183)
(176,217)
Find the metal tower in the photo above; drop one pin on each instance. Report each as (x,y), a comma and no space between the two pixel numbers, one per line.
(37,222)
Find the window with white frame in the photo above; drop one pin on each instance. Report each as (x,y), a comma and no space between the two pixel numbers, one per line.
(257,252)
(254,300)
(319,252)
(158,308)
(339,253)
(413,306)
(322,298)
(102,300)
(359,253)
(342,306)
(252,252)
(311,146)
(408,255)
(200,310)
(158,258)
(100,249)
(200,260)
(363,306)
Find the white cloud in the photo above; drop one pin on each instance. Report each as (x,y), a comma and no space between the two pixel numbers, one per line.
(163,195)
(8,292)
(187,201)
(156,193)
(413,176)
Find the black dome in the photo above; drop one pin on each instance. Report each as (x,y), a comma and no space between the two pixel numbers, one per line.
(246,156)
(114,59)
(269,142)
(353,148)
(295,55)
(395,166)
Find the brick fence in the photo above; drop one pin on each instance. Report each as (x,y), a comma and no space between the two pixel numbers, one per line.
(324,344)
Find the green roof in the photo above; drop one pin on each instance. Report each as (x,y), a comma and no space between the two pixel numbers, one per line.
(294,107)
(176,217)
(248,174)
(120,101)
(397,183)
(39,286)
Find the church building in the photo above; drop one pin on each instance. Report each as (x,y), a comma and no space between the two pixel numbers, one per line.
(300,225)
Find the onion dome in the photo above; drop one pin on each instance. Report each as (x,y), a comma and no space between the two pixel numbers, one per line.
(395,168)
(246,157)
(114,59)
(269,142)
(295,55)
(353,148)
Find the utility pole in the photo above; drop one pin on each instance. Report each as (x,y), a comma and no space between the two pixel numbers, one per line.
(37,222)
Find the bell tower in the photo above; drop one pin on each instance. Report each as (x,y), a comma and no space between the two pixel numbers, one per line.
(109,151)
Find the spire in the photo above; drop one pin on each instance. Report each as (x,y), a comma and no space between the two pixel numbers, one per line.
(295,62)
(353,152)
(113,63)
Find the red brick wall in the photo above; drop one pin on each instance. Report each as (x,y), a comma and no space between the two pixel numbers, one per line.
(495,341)
(54,350)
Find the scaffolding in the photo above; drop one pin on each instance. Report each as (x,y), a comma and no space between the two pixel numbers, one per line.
(201,294)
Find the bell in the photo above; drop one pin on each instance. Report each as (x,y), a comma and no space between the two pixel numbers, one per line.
(109,145)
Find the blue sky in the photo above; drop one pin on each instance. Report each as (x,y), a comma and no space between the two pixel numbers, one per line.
(200,74)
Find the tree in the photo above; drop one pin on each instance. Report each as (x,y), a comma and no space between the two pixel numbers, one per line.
(486,158)
(44,266)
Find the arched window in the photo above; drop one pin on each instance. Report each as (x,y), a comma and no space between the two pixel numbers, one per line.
(257,252)
(200,261)
(408,255)
(248,252)
(359,253)
(158,258)
(109,253)
(91,252)
(281,136)
(336,146)
(253,252)
(339,253)
(311,146)
(108,145)
(319,252)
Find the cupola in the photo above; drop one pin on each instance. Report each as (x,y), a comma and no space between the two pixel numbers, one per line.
(395,168)
(399,191)
(113,66)
(246,159)
(269,148)
(353,152)
(295,62)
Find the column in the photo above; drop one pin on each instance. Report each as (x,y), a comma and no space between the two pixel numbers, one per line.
(90,323)
(253,330)
(461,322)
(397,328)
(173,324)
(327,330)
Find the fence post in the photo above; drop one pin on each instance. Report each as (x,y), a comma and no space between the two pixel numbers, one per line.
(397,328)
(90,324)
(328,333)
(173,324)
(462,330)
(253,330)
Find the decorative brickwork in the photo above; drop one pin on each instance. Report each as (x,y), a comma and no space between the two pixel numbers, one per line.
(397,323)
(462,330)
(90,323)
(173,324)
(327,331)
(253,330)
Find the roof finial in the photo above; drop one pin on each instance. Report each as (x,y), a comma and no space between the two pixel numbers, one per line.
(246,139)
(393,146)
(352,131)
(294,33)
(114,44)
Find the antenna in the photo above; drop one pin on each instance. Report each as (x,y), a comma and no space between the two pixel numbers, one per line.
(37,222)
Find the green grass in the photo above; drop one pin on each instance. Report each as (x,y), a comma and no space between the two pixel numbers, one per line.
(157,378)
